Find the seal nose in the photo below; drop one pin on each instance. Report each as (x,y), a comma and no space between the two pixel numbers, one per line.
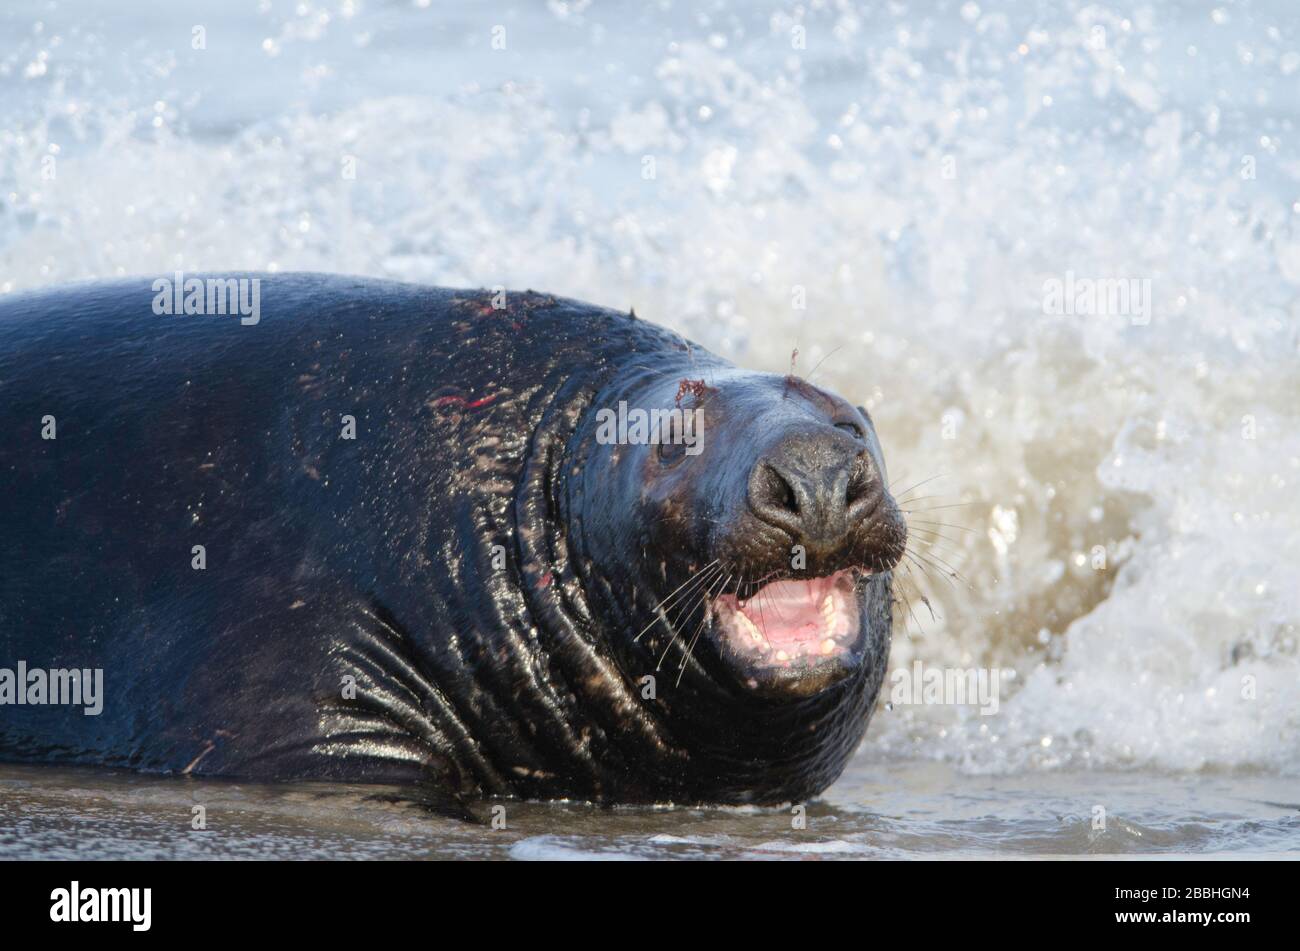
(815,489)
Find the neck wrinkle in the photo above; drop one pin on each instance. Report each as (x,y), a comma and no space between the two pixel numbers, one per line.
(561,606)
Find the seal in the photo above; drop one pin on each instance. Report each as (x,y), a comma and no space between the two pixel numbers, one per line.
(490,544)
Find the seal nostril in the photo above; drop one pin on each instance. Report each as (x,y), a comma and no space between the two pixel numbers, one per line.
(773,497)
(777,491)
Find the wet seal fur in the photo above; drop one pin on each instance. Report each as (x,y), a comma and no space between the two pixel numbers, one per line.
(473,594)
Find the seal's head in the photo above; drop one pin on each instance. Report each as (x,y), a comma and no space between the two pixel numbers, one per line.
(757,517)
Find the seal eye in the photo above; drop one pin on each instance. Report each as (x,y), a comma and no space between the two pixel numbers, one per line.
(853,429)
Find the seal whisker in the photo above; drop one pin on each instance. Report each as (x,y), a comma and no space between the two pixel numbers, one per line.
(707,576)
(686,654)
(694,575)
(914,554)
(960,528)
(916,589)
(762,593)
(676,594)
(953,545)
(935,508)
(686,607)
(931,549)
(762,617)
(932,545)
(684,613)
(917,485)
(702,599)
(922,498)
(813,371)
(925,573)
(955,573)
(908,604)
(935,540)
(914,581)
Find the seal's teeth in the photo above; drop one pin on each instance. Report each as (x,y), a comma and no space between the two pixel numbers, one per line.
(747,626)
(828,610)
(828,646)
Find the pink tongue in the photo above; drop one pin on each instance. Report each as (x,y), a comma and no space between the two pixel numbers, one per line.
(789,613)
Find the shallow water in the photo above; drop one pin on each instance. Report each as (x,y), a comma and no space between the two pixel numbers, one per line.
(1113,512)
(896,810)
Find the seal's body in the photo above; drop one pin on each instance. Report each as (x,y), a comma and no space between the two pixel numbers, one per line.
(379,535)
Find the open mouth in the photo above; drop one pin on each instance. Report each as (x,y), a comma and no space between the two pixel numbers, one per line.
(792,623)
